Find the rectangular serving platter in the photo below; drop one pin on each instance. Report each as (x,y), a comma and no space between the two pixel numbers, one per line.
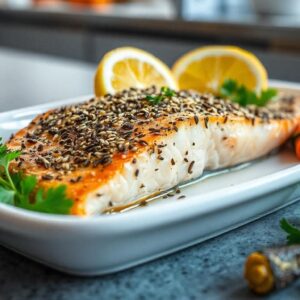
(109,243)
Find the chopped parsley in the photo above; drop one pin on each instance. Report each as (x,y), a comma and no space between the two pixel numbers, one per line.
(22,191)
(243,96)
(293,236)
(165,92)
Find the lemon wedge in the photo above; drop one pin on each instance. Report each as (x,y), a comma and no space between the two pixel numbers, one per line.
(128,67)
(205,69)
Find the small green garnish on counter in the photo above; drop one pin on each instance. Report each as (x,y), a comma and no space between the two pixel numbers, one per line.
(22,191)
(164,93)
(243,96)
(293,236)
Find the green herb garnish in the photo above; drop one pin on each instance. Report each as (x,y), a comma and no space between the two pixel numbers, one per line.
(22,191)
(165,92)
(293,236)
(240,94)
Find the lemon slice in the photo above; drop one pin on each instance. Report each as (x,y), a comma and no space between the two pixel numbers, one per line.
(127,67)
(205,69)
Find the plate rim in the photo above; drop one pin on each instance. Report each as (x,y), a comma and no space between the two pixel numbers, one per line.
(254,187)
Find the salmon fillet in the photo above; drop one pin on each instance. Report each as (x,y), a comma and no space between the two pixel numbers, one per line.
(114,150)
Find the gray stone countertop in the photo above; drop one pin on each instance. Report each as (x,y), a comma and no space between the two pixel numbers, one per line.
(210,270)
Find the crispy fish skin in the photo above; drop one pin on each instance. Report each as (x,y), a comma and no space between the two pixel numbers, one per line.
(131,155)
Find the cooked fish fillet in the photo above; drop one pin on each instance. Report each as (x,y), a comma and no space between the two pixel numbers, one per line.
(113,150)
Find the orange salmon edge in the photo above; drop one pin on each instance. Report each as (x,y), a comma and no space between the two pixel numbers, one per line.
(78,209)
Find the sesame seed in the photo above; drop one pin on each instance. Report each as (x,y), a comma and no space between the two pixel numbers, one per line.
(190,169)
(206,122)
(196,119)
(47,177)
(143,143)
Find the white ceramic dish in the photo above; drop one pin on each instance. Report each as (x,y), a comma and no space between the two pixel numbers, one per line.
(109,243)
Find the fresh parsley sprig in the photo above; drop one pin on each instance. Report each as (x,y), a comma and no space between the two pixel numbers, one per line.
(22,191)
(293,236)
(165,92)
(240,94)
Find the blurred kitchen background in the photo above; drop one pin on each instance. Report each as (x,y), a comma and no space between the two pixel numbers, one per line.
(49,49)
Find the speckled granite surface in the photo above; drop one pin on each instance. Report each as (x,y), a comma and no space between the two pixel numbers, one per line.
(211,270)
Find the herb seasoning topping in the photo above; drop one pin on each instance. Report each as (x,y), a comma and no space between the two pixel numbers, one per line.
(89,134)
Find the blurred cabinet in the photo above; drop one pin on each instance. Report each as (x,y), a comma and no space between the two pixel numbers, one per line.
(88,42)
